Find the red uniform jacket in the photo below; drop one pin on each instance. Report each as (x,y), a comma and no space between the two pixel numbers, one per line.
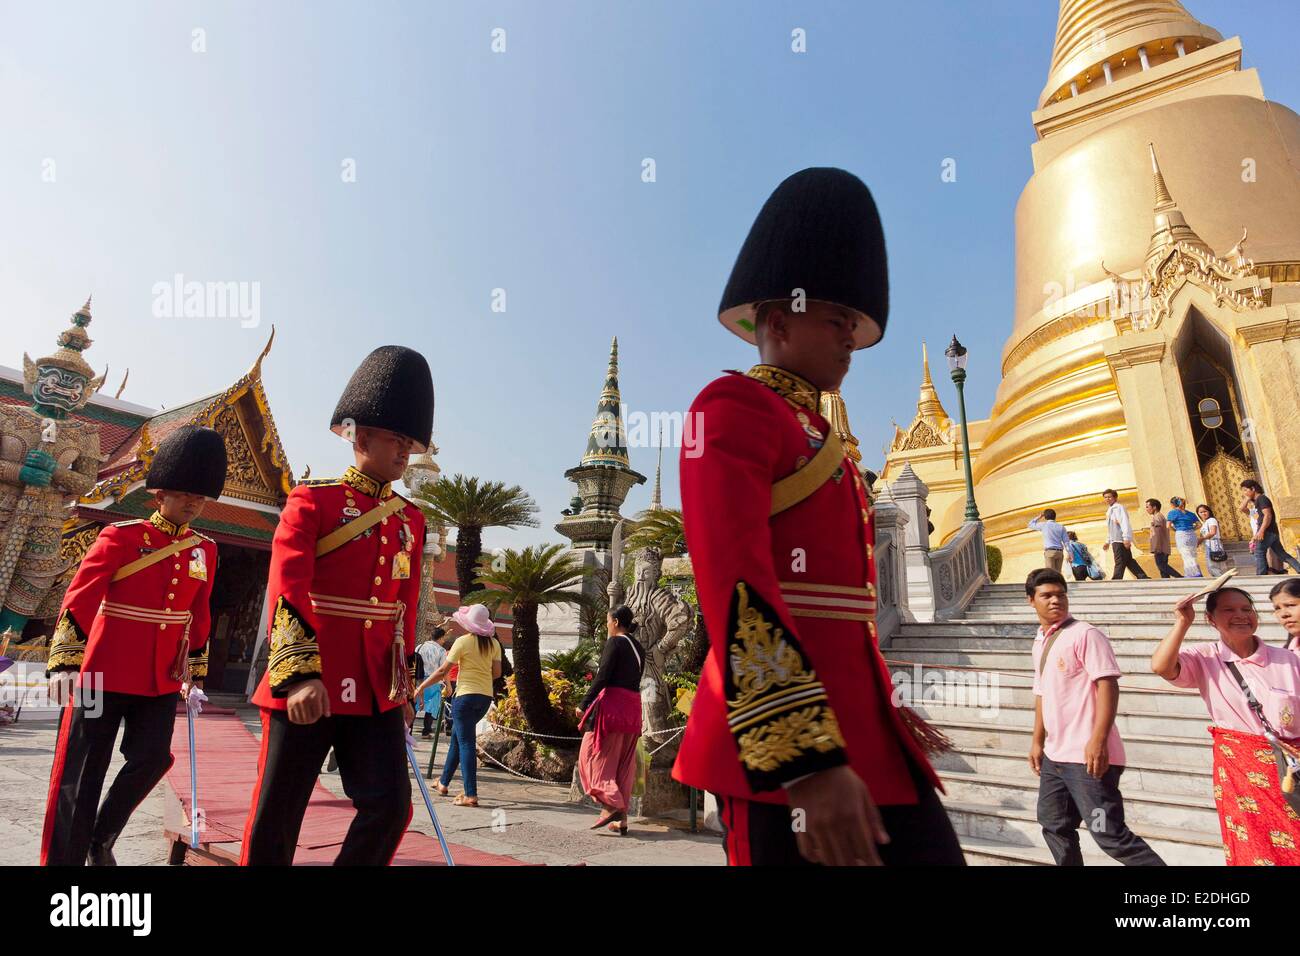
(334,616)
(794,682)
(133,655)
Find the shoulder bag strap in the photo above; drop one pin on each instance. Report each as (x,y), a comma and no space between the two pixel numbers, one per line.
(1051,639)
(1255,705)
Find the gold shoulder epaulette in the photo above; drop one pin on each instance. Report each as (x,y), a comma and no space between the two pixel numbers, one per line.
(200,534)
(321,482)
(127,524)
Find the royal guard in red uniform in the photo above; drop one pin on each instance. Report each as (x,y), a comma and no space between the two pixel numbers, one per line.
(793,727)
(345,588)
(132,634)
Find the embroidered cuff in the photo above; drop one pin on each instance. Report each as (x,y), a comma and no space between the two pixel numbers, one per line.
(294,655)
(199,663)
(777,709)
(67,646)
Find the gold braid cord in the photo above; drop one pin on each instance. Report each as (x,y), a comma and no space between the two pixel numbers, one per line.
(67,646)
(294,656)
(777,709)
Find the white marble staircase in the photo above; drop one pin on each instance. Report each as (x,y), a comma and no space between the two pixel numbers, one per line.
(992,793)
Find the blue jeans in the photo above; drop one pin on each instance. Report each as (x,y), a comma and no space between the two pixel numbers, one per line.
(466,712)
(1272,542)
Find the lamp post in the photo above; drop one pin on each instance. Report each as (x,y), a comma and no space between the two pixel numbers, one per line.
(956,353)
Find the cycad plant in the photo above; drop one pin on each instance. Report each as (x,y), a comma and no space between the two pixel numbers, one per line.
(472,505)
(525,581)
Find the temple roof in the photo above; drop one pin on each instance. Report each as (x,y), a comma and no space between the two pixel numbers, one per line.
(258,469)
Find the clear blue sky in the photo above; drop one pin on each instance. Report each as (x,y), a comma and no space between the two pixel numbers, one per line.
(521,171)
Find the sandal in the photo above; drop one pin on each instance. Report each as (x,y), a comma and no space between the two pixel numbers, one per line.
(619,826)
(442,791)
(465,801)
(606,819)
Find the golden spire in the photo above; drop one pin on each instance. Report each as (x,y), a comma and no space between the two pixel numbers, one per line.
(1170,225)
(928,405)
(1092,32)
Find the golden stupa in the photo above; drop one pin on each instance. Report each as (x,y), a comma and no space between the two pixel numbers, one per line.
(1150,353)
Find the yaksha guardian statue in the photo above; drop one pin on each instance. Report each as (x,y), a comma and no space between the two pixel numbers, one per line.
(47,459)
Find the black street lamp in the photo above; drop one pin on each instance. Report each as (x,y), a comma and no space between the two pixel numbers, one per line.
(956,353)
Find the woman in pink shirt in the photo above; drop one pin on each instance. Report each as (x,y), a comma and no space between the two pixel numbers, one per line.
(1286,608)
(1258,825)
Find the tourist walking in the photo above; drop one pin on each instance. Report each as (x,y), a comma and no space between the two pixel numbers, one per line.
(478,655)
(1055,539)
(1184,524)
(1274,566)
(1076,750)
(1080,558)
(1266,539)
(1119,537)
(1160,539)
(793,705)
(344,588)
(1252,692)
(610,716)
(112,642)
(1216,558)
(1286,607)
(432,655)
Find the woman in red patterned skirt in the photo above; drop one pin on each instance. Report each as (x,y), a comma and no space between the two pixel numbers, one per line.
(1252,691)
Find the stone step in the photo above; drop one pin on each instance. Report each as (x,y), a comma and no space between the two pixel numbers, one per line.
(1184,813)
(1116,631)
(1158,620)
(982,691)
(1144,647)
(1182,741)
(1141,776)
(1244,579)
(1136,669)
(1012,827)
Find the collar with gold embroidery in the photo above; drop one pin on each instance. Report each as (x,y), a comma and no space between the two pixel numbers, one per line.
(359,480)
(788,385)
(166,527)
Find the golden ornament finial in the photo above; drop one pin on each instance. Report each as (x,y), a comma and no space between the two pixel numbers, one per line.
(833,410)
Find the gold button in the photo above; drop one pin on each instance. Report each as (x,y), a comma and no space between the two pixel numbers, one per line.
(379,580)
(167,610)
(171,597)
(383,539)
(173,580)
(383,521)
(176,566)
(373,599)
(382,559)
(369,624)
(162,627)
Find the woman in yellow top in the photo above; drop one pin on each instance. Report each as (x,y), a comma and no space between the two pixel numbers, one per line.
(478,653)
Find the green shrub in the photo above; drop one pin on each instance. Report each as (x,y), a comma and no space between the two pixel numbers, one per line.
(994,558)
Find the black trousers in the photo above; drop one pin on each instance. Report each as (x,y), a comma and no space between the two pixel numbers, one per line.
(1162,564)
(74,818)
(1080,572)
(1067,796)
(371,753)
(760,834)
(1124,561)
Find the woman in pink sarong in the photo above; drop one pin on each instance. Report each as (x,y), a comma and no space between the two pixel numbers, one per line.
(611,716)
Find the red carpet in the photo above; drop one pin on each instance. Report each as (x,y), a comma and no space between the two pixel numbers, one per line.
(228,772)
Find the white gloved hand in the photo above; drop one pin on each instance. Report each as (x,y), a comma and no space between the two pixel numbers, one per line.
(195,699)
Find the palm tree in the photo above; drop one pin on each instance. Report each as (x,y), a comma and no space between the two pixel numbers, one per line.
(527,580)
(660,528)
(472,506)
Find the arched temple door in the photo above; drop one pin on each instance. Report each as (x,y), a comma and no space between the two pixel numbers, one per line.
(1221,452)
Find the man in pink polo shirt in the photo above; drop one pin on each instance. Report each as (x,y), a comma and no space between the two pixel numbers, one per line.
(1076,751)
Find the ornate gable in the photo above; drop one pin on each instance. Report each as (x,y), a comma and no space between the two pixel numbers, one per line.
(258,466)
